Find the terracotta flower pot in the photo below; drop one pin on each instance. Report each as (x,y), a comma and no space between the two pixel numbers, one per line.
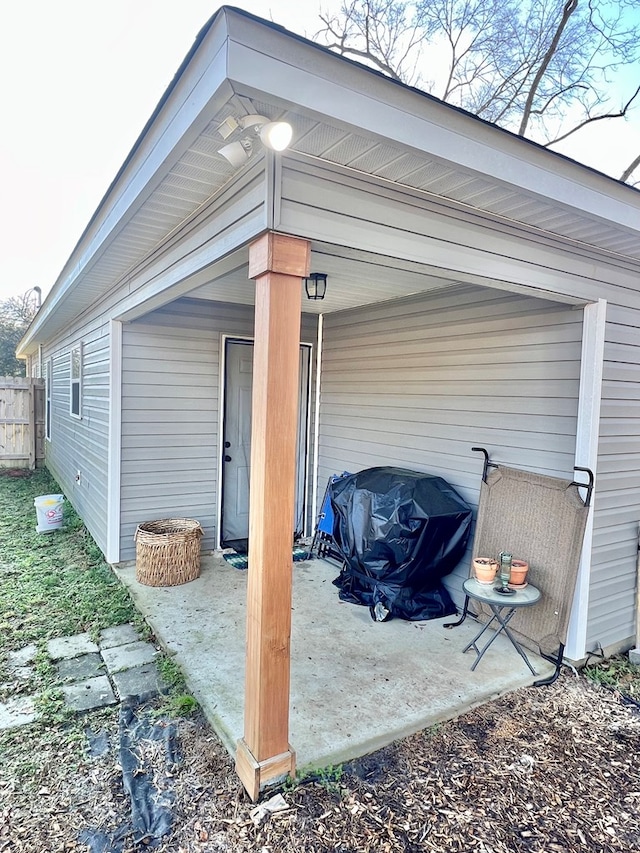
(485,569)
(519,569)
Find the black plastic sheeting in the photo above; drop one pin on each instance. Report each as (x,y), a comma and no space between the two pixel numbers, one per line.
(151,814)
(400,532)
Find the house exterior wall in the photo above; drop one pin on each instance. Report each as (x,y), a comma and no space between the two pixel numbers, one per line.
(418,382)
(611,619)
(536,430)
(83,445)
(389,219)
(77,452)
(171,398)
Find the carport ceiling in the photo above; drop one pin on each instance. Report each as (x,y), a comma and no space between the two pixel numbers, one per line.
(353,279)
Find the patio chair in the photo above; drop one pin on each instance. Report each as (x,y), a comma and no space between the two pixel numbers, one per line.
(322,542)
(542,520)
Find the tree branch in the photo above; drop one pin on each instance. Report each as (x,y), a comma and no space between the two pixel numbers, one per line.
(569,8)
(591,119)
(630,169)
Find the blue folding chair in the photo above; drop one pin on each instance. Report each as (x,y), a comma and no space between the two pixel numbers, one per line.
(322,541)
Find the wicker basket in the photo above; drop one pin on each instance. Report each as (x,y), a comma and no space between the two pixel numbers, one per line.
(168,551)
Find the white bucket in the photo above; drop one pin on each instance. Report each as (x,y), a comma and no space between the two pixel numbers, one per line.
(49,511)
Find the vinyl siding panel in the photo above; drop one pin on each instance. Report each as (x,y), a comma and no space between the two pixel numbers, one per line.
(171,397)
(80,446)
(612,598)
(170,393)
(418,382)
(362,212)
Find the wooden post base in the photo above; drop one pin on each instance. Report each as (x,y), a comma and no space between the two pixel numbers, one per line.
(255,775)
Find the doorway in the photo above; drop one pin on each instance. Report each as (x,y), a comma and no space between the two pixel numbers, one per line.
(236,442)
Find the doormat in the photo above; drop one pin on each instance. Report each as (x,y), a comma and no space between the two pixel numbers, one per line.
(241,561)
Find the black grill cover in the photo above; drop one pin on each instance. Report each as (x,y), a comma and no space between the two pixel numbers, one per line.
(400,532)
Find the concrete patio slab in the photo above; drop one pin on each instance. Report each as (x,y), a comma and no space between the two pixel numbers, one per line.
(356,685)
(130,655)
(71,647)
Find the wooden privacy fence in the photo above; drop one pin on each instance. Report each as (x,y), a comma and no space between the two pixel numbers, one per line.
(21,422)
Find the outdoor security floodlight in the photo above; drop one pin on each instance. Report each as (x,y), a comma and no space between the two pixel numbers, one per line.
(275,135)
(237,153)
(227,127)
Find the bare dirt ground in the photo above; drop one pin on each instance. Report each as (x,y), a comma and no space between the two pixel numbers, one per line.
(553,769)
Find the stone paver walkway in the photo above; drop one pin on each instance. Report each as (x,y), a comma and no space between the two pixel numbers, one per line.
(119,668)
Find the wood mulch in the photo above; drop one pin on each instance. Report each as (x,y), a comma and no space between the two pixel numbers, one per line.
(548,770)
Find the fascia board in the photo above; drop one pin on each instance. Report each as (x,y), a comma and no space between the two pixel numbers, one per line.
(301,75)
(197,93)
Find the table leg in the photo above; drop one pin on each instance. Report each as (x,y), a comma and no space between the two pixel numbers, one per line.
(473,643)
(503,621)
(518,648)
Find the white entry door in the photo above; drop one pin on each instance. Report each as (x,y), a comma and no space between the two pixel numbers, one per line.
(236,454)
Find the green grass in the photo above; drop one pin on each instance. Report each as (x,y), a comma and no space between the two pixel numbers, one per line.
(51,585)
(56,585)
(326,777)
(171,674)
(616,673)
(179,702)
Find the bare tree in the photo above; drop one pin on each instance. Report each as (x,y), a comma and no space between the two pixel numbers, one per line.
(16,313)
(541,68)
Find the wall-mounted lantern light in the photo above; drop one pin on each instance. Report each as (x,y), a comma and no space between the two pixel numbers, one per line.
(316,285)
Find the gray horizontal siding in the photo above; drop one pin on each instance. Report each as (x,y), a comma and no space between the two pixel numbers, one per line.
(398,222)
(82,445)
(170,412)
(218,227)
(170,389)
(418,382)
(617,502)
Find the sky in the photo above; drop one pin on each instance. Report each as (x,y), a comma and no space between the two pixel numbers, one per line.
(78,81)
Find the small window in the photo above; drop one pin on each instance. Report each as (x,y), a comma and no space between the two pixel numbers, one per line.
(48,400)
(76,382)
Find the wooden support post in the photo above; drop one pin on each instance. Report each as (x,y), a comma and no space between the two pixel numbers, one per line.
(278,263)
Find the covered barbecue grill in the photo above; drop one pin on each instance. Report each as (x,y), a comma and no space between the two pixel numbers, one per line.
(399,533)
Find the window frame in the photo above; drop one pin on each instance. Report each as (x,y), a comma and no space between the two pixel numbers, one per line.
(75,381)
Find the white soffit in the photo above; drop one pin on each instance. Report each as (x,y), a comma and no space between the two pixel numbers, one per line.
(418,171)
(347,95)
(353,280)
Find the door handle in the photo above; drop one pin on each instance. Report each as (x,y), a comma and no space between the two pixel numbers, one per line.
(227,458)
(227,444)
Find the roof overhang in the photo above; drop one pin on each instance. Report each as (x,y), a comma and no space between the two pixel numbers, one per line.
(343,113)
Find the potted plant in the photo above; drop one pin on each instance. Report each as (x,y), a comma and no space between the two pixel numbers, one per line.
(485,569)
(519,569)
